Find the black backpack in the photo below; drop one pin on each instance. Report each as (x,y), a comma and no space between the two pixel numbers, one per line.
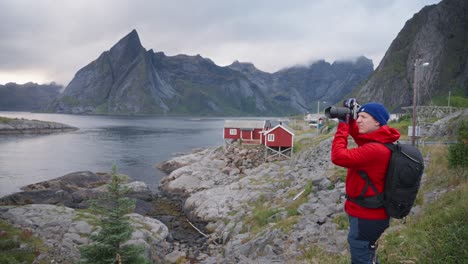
(402,182)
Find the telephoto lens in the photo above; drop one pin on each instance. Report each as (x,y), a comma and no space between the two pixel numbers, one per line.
(337,112)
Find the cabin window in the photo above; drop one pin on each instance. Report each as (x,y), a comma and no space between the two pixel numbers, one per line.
(232,131)
(271,137)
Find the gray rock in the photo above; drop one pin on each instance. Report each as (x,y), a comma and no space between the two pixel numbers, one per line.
(65,229)
(174,256)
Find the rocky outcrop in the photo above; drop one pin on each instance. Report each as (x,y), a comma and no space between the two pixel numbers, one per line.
(74,190)
(438,34)
(24,126)
(65,229)
(447,126)
(182,160)
(219,192)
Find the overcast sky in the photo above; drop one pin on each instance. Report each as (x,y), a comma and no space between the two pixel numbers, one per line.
(50,40)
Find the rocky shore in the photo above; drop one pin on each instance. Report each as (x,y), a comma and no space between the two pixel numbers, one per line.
(24,126)
(228,189)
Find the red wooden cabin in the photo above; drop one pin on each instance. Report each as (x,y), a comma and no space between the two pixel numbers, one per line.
(249,131)
(279,140)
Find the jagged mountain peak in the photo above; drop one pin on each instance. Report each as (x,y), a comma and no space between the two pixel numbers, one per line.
(356,60)
(129,45)
(131,39)
(244,67)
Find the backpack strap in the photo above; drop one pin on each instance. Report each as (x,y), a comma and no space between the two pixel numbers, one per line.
(375,201)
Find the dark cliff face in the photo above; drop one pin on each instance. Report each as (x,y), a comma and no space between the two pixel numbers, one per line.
(438,34)
(28,96)
(117,82)
(128,79)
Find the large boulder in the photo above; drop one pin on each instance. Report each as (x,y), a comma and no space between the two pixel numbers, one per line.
(75,190)
(447,126)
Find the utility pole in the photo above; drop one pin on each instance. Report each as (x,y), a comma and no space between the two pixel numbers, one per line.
(318,106)
(416,82)
(449,99)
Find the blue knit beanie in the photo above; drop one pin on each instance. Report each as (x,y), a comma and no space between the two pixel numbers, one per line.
(377,111)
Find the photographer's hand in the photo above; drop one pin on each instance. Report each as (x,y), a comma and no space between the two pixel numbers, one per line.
(350,103)
(345,119)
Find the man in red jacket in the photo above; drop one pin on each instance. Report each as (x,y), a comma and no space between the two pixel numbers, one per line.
(369,130)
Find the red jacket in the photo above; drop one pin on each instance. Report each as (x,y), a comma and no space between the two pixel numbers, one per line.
(370,157)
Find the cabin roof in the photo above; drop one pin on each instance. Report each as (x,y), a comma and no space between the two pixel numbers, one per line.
(245,124)
(285,127)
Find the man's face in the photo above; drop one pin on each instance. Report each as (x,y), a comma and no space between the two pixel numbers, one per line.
(366,123)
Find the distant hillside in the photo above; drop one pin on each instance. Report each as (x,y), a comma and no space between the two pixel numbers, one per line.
(128,79)
(301,87)
(438,34)
(28,96)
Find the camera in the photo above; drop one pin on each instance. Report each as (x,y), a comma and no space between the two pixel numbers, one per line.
(341,112)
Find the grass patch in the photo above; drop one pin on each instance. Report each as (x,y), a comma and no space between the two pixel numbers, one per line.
(438,173)
(263,211)
(86,215)
(19,245)
(294,205)
(338,174)
(342,221)
(438,235)
(260,217)
(286,224)
(314,254)
(5,120)
(308,142)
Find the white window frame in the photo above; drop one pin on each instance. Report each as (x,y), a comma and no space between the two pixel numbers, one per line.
(232,131)
(271,137)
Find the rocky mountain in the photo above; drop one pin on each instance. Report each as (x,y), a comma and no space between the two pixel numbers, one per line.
(302,86)
(128,79)
(28,96)
(437,35)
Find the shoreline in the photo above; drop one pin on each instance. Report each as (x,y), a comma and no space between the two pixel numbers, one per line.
(10,126)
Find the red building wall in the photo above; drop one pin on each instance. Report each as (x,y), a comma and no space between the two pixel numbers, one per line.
(282,138)
(227,135)
(256,133)
(246,134)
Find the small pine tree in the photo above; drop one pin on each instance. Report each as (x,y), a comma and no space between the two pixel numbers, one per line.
(106,246)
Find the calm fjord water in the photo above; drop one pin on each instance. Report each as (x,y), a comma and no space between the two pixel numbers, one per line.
(134,144)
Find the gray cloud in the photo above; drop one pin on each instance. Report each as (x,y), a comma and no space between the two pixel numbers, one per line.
(55,39)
